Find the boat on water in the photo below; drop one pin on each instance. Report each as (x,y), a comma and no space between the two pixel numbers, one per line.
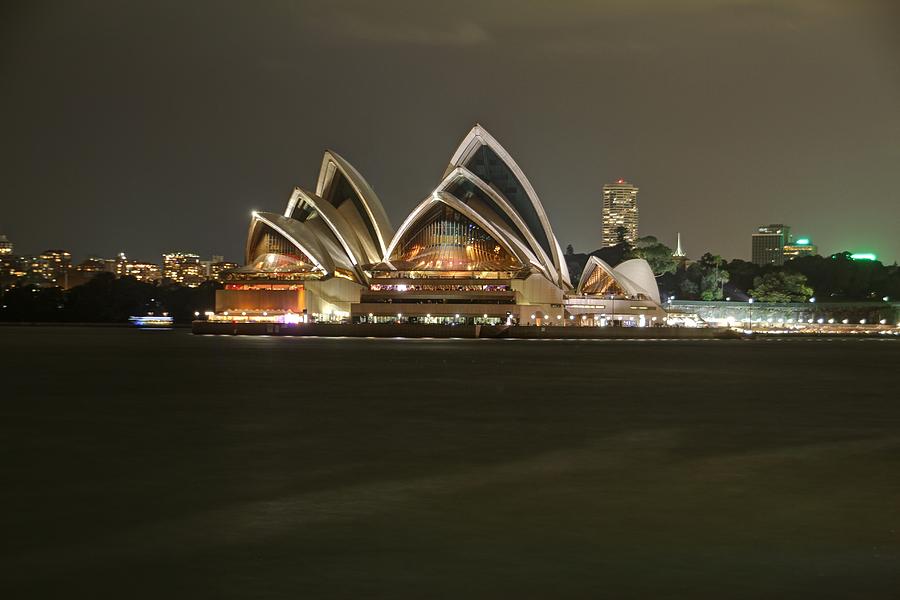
(152,321)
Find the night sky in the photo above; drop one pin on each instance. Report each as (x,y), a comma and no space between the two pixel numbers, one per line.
(145,127)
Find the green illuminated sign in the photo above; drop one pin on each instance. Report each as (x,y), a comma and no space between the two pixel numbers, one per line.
(863,256)
(803,242)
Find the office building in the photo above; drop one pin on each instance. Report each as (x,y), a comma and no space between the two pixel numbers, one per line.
(800,247)
(53,266)
(768,244)
(620,213)
(142,271)
(183,268)
(218,268)
(6,246)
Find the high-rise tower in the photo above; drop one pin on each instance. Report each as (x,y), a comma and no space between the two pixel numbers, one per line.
(768,244)
(620,213)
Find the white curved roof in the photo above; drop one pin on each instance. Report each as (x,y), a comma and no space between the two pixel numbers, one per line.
(638,272)
(312,239)
(513,226)
(373,216)
(479,137)
(593,264)
(343,233)
(634,276)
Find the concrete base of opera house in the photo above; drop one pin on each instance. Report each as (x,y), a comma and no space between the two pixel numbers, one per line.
(407,330)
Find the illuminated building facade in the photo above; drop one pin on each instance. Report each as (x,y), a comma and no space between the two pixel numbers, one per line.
(620,212)
(12,270)
(800,247)
(53,266)
(217,269)
(183,268)
(6,246)
(478,249)
(768,244)
(143,271)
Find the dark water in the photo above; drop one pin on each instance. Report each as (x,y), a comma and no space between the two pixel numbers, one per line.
(161,465)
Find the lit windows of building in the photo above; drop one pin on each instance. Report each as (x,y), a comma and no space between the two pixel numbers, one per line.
(620,213)
(213,269)
(12,269)
(91,264)
(800,247)
(183,268)
(143,271)
(53,267)
(768,244)
(121,265)
(6,246)
(218,269)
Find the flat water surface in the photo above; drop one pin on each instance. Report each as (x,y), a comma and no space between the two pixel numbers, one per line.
(158,464)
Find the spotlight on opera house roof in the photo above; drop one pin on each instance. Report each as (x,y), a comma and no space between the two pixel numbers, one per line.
(478,249)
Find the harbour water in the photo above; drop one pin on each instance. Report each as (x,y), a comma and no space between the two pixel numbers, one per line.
(159,464)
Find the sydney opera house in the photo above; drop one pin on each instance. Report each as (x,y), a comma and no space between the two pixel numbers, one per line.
(478,249)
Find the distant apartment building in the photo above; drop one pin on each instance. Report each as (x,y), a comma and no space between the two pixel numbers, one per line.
(183,268)
(620,213)
(218,268)
(53,266)
(143,271)
(768,244)
(93,264)
(140,270)
(6,246)
(800,247)
(12,269)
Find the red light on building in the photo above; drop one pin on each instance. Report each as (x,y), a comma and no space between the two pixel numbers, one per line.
(620,181)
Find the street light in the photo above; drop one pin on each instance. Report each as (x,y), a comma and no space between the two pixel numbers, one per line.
(750,308)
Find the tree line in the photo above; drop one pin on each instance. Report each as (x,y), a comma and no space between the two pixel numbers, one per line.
(106,299)
(827,278)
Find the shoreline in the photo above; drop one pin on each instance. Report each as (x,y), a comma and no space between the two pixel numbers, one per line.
(405,330)
(422,331)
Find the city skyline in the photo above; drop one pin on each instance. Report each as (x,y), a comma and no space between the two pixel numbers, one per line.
(787,114)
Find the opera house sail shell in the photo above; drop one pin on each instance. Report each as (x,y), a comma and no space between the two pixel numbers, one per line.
(479,248)
(482,161)
(449,237)
(626,293)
